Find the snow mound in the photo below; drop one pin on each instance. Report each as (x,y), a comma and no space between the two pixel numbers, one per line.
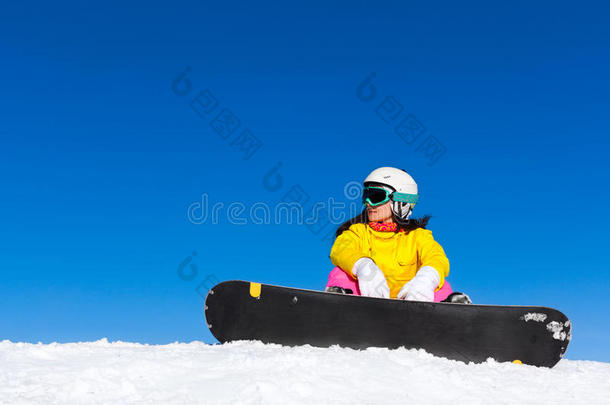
(254,373)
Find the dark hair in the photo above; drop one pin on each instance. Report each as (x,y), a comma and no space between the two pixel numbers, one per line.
(407,226)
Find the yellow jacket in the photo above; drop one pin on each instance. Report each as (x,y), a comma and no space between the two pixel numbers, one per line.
(398,254)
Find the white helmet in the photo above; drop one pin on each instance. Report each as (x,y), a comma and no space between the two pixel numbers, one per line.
(405,194)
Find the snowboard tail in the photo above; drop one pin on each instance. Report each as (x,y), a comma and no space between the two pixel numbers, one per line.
(240,310)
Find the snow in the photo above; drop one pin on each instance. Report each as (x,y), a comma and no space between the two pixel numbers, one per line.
(534,316)
(556,328)
(253,373)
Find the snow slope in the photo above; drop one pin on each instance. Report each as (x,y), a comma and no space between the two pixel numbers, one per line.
(254,373)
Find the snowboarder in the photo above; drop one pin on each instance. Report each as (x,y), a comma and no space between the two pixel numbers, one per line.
(383,253)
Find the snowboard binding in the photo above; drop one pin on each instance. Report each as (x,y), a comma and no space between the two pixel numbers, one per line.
(453,298)
(339,290)
(458,298)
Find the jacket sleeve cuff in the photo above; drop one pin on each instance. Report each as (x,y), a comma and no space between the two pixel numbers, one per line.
(346,262)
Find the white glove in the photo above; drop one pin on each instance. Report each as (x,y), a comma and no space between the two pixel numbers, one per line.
(371,280)
(422,286)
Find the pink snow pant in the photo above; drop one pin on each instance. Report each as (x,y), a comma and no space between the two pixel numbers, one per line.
(339,278)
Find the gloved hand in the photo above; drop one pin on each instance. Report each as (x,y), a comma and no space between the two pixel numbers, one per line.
(422,286)
(371,280)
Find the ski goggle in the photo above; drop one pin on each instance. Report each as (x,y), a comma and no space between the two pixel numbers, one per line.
(376,196)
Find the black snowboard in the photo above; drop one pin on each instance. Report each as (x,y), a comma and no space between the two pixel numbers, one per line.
(240,310)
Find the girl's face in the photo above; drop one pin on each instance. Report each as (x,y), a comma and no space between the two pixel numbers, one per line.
(382,213)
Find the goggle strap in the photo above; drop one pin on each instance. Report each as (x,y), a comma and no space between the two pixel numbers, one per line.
(404,197)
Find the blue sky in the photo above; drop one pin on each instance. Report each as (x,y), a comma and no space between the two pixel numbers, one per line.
(101,159)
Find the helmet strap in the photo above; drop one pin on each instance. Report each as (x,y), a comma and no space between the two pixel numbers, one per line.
(402,210)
